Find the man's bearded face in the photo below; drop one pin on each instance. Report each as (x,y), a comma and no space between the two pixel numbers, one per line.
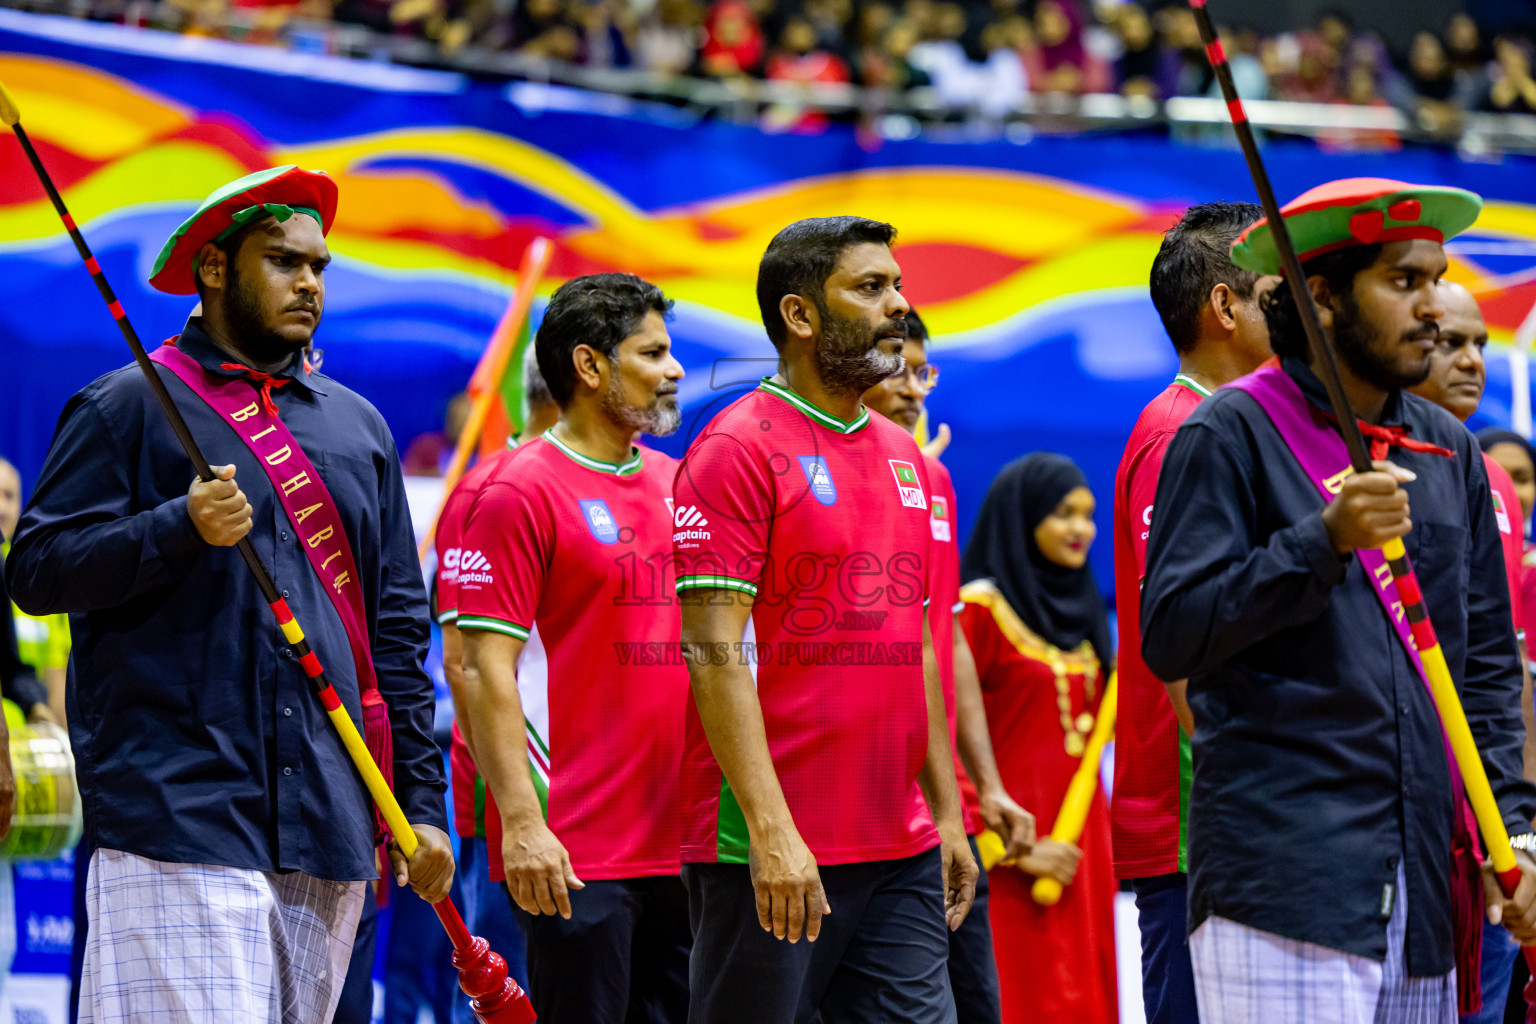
(1380,359)
(274,288)
(853,355)
(642,387)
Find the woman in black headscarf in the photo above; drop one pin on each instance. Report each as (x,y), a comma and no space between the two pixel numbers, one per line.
(1039,633)
(1515,453)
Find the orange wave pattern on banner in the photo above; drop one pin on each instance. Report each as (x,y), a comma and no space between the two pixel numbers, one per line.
(978,245)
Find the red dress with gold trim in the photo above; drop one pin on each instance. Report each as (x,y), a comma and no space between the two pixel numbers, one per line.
(1053,963)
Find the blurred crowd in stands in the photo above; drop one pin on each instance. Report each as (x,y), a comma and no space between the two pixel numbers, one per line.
(984,56)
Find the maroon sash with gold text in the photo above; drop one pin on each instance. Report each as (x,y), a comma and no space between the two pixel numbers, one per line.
(316,522)
(1319,449)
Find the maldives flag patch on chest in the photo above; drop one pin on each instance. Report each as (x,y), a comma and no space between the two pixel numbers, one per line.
(907,484)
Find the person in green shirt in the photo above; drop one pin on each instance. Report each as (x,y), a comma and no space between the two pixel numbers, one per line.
(42,641)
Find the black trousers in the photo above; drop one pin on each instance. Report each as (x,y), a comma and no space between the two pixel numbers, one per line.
(1167,977)
(882,955)
(972,964)
(622,958)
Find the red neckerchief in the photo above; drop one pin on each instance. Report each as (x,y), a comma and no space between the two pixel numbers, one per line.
(268,382)
(1383,439)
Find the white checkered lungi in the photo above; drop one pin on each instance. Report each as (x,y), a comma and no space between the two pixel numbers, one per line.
(1247,976)
(201,943)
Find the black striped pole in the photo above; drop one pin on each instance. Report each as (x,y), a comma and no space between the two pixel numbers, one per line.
(1453,717)
(497,999)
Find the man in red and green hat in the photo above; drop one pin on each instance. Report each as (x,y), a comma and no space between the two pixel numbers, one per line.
(1331,867)
(233,839)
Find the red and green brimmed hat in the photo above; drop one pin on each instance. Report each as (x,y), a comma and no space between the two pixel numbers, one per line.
(279,191)
(1358,211)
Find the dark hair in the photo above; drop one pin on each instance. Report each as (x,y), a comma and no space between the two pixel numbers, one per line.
(800,259)
(1196,256)
(599,310)
(1286,335)
(534,388)
(916,329)
(229,247)
(1488,437)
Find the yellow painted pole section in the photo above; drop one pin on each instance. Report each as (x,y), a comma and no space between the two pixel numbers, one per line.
(1489,821)
(1085,781)
(394,817)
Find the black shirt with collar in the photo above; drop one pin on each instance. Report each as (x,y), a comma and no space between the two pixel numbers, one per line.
(1318,754)
(196,735)
(18,682)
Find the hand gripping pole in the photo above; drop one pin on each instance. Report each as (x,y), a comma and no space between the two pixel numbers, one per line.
(495,997)
(1459,734)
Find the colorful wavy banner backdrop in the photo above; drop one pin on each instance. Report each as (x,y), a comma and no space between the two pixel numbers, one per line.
(1029,261)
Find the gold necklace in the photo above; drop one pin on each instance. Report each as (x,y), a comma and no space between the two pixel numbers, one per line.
(1076,729)
(1031,645)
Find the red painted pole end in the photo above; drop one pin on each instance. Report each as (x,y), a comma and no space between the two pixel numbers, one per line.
(493,996)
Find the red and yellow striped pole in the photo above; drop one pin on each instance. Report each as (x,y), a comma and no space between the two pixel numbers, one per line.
(1458,733)
(1068,827)
(1475,777)
(351,739)
(495,997)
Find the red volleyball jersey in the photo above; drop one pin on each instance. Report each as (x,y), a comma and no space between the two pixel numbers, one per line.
(825,525)
(1506,509)
(574,556)
(1152,759)
(944,604)
(470,797)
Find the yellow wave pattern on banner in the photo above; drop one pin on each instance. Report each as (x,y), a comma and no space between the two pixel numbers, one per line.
(378,202)
(529,166)
(1021,215)
(89,112)
(1014,215)
(1516,220)
(1045,237)
(1117,261)
(177,171)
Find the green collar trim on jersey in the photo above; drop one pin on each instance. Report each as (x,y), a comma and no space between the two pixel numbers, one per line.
(617,469)
(1185,380)
(826,419)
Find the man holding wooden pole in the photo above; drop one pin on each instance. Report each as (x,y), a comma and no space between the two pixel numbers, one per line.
(1332,871)
(233,835)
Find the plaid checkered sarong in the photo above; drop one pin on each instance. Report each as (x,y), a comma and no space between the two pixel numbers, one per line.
(200,943)
(1247,976)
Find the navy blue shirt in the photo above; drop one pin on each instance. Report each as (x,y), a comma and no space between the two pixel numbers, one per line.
(17,680)
(1318,756)
(196,736)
